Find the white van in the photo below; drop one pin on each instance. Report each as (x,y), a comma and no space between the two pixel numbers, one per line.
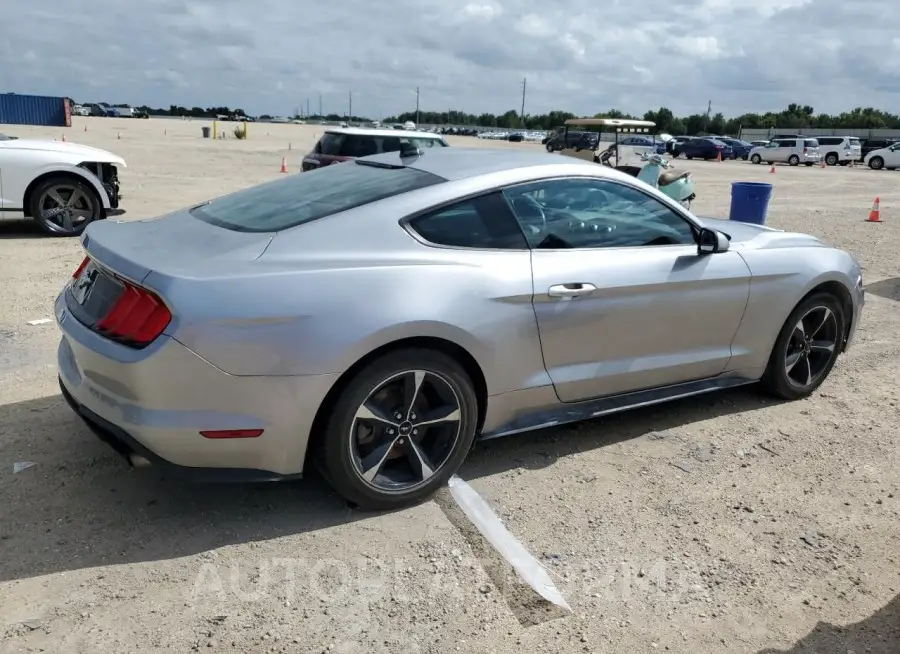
(409,126)
(839,149)
(793,151)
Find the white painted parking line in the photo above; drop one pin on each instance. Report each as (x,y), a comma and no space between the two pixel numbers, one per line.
(507,545)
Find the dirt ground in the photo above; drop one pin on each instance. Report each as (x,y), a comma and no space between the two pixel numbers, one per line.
(729,523)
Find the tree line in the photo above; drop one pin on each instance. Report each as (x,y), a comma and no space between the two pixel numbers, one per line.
(794,116)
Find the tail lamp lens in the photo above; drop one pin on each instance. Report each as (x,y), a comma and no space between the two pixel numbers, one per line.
(138,317)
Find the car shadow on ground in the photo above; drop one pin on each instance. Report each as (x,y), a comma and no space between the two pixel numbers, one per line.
(886,288)
(81,506)
(877,634)
(25,228)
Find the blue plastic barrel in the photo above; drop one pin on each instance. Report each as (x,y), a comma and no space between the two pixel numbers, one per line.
(750,202)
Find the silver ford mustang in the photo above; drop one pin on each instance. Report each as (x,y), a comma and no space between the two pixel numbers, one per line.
(378,316)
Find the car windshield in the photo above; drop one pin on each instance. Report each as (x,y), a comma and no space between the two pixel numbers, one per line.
(308,196)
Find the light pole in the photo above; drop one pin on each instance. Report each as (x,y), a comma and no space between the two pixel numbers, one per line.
(417,106)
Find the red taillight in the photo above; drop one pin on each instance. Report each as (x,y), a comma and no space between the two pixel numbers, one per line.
(138,317)
(81,267)
(804,150)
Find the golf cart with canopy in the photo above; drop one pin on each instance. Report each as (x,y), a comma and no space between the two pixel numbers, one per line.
(627,157)
(639,159)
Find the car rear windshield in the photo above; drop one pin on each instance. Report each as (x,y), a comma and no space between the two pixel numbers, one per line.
(811,143)
(854,142)
(304,197)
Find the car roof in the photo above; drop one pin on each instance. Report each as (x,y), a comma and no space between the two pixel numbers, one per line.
(375,131)
(461,163)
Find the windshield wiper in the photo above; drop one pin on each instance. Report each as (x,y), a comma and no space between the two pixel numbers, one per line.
(379,164)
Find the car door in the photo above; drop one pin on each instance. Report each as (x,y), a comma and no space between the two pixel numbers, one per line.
(892,156)
(623,299)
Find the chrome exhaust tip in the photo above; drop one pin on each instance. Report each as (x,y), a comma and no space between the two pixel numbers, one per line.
(137,461)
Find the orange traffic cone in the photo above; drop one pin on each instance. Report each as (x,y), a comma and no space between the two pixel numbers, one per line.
(719,156)
(283,165)
(822,164)
(875,213)
(772,169)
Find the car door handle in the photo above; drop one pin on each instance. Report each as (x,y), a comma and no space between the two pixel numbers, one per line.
(571,290)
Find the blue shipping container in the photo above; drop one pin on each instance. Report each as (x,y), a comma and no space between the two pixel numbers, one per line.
(44,110)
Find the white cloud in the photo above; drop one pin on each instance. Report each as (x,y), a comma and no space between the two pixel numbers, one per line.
(534,26)
(483,11)
(765,8)
(748,55)
(698,47)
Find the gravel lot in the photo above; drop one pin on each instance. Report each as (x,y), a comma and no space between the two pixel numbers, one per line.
(730,523)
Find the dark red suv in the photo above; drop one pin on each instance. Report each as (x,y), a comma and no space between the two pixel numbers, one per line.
(344,143)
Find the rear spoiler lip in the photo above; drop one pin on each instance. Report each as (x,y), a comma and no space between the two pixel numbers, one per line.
(114,263)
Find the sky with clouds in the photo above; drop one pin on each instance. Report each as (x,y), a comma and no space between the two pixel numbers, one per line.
(270,56)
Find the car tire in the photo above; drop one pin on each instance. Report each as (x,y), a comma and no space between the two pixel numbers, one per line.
(75,219)
(799,363)
(756,159)
(794,160)
(831,159)
(384,463)
(549,147)
(876,163)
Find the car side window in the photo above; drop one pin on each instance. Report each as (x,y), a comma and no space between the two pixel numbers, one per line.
(484,222)
(594,213)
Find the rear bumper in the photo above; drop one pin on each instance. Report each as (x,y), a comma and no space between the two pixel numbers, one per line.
(155,402)
(127,446)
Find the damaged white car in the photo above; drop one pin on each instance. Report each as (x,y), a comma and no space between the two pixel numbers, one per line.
(62,186)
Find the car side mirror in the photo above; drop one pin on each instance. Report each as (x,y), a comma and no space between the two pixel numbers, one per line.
(711,241)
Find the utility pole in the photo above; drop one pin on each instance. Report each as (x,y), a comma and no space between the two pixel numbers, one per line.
(708,113)
(307,107)
(320,106)
(350,106)
(522,113)
(417,106)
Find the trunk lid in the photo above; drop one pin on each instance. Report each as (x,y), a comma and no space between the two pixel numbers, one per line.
(176,245)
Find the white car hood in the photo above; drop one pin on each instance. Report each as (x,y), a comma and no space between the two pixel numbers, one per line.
(73,150)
